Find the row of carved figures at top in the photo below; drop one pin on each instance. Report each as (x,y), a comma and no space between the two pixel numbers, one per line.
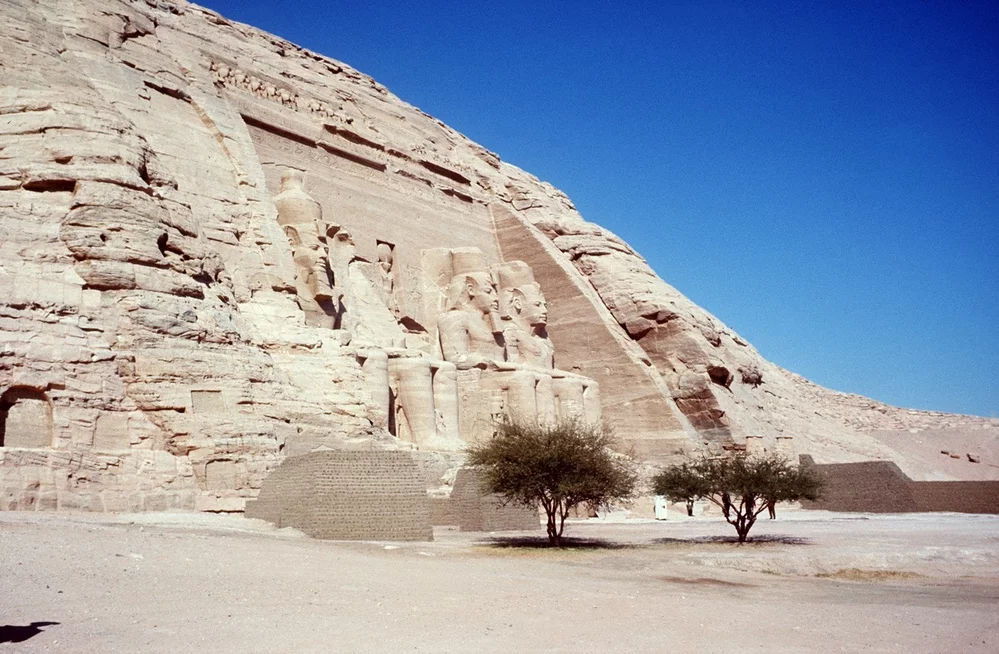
(230,77)
(490,316)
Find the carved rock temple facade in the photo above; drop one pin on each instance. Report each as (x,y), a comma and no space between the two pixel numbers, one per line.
(219,249)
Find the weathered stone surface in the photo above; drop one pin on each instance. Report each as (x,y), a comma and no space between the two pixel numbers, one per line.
(171,326)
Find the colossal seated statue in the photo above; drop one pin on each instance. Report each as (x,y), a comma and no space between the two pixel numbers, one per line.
(505,368)
(525,315)
(414,395)
(469,335)
(301,217)
(495,360)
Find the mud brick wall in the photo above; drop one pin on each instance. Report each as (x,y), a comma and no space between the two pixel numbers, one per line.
(345,495)
(479,511)
(869,487)
(959,496)
(442,511)
(881,487)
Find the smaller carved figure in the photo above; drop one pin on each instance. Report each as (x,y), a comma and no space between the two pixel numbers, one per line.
(386,260)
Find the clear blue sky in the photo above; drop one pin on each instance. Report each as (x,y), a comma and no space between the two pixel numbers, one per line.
(823,177)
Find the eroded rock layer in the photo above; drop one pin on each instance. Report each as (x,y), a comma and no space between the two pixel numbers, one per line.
(218,249)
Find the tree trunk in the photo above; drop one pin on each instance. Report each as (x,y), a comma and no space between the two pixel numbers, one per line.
(743,525)
(553,533)
(563,514)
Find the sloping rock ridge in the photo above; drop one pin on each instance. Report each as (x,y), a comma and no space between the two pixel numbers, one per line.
(218,249)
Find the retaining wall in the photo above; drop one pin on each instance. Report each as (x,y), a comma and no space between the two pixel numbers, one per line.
(347,495)
(882,487)
(476,510)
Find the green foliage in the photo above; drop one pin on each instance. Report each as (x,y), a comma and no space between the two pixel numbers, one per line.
(741,485)
(558,466)
(680,483)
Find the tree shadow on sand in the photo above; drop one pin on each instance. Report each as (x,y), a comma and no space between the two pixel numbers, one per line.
(775,539)
(10,633)
(542,543)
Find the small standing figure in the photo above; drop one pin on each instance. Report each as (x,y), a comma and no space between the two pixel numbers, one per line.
(386,259)
(771,508)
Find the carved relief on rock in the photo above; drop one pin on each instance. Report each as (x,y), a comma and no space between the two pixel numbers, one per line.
(498,340)
(25,418)
(228,76)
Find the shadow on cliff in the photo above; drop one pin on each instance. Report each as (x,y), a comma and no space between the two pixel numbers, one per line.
(10,633)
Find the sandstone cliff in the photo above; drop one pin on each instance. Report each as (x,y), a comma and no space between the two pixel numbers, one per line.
(154,351)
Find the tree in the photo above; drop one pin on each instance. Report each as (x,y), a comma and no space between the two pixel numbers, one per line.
(681,483)
(742,485)
(558,466)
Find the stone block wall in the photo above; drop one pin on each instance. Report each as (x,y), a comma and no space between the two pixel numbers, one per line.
(442,511)
(345,495)
(475,510)
(958,496)
(881,487)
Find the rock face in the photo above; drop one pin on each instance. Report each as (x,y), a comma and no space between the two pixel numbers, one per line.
(218,249)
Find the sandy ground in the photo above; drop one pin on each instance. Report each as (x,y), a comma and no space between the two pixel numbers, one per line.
(814,581)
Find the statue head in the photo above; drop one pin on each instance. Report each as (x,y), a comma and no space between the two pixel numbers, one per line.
(291,179)
(523,300)
(385,255)
(528,304)
(473,289)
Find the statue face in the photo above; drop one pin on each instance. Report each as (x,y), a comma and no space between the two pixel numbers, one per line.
(530,304)
(481,293)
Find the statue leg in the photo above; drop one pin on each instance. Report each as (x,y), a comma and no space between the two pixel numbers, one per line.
(521,396)
(445,389)
(569,397)
(374,366)
(544,393)
(416,396)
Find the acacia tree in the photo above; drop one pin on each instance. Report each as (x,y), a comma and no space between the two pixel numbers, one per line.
(558,467)
(681,483)
(742,485)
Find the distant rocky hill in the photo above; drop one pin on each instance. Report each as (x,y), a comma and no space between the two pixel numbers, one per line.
(219,248)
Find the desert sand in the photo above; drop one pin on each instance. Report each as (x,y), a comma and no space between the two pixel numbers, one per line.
(813,581)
